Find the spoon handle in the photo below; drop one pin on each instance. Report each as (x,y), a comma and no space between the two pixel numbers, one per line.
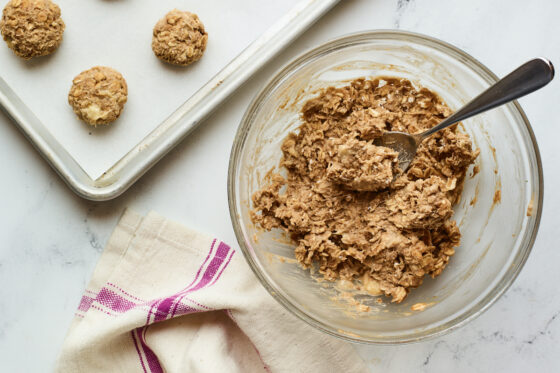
(525,79)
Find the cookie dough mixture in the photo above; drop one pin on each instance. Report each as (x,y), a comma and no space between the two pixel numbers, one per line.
(98,95)
(179,38)
(32,28)
(345,202)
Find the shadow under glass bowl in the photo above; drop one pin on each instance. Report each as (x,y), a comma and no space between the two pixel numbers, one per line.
(498,214)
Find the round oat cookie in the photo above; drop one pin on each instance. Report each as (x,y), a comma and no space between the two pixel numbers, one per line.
(179,38)
(32,28)
(98,95)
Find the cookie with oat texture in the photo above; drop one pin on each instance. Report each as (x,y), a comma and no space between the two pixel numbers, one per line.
(32,28)
(98,95)
(179,38)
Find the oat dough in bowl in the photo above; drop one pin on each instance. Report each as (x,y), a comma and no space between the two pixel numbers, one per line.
(347,205)
(445,209)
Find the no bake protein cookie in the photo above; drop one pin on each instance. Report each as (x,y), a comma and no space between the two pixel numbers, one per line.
(32,28)
(179,38)
(345,203)
(98,95)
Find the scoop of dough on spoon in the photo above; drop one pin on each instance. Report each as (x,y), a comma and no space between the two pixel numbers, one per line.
(525,79)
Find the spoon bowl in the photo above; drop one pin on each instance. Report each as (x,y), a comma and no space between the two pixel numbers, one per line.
(403,143)
(527,78)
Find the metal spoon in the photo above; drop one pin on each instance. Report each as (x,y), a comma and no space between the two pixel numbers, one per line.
(525,79)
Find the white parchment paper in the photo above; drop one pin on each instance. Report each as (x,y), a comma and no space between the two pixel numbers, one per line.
(118,33)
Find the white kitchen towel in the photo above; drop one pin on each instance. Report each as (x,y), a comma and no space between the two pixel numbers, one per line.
(164,298)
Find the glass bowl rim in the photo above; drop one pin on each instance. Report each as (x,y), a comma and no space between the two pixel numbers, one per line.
(303,58)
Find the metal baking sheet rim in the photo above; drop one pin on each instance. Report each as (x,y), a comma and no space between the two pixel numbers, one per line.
(117,179)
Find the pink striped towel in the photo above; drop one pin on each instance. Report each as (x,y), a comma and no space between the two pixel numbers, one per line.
(164,298)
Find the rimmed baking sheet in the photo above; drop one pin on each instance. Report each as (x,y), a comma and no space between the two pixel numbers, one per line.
(165,102)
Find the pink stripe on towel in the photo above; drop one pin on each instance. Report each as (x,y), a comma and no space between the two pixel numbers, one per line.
(168,307)
(215,264)
(203,263)
(221,253)
(164,306)
(135,341)
(223,268)
(151,358)
(85,303)
(208,273)
(102,310)
(183,309)
(114,301)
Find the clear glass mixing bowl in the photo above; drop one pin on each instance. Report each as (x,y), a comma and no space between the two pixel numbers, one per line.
(497,235)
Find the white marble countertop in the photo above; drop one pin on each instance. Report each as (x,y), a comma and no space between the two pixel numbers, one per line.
(50,239)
